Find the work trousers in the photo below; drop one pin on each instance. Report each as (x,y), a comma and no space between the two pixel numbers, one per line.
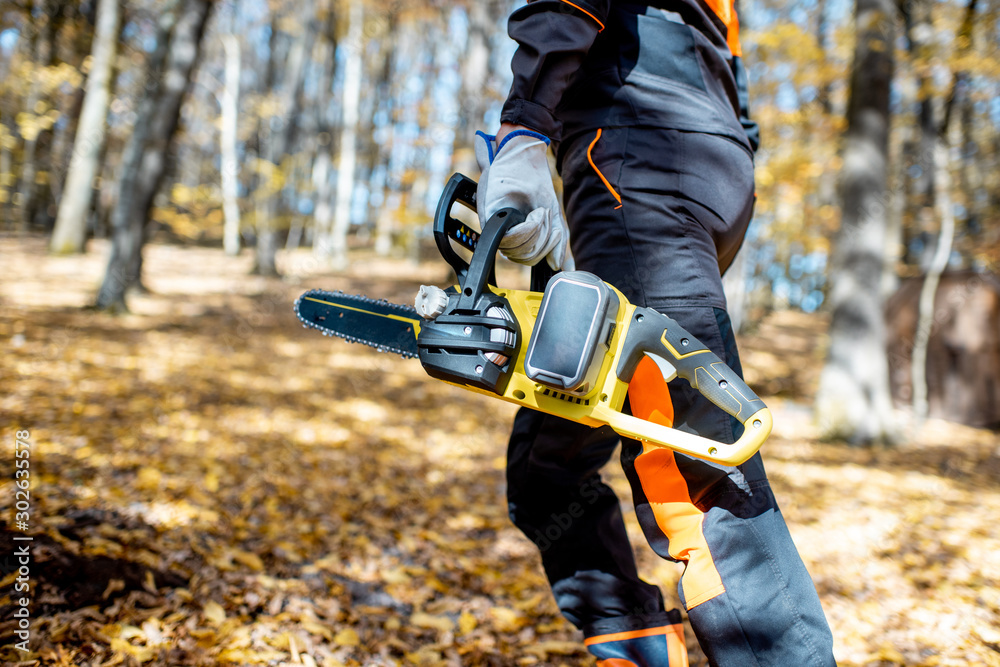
(660,214)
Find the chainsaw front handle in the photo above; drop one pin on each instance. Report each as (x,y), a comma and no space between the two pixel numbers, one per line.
(753,437)
(678,353)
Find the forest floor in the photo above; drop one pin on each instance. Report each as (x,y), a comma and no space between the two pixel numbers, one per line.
(213,484)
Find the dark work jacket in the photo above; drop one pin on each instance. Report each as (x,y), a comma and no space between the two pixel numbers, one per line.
(591,64)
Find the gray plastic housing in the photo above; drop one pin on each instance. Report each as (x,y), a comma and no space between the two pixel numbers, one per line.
(575,323)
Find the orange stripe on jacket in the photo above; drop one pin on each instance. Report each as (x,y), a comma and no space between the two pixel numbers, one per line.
(681,521)
(587,13)
(726,11)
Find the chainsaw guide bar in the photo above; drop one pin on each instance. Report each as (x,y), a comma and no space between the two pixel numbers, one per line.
(386,326)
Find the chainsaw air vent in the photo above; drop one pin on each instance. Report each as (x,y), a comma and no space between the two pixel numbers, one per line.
(545,391)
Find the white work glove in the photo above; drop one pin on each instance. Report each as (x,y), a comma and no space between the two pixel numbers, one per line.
(516,174)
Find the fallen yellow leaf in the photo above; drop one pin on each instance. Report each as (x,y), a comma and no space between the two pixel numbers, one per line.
(429,622)
(214,612)
(467,623)
(140,653)
(395,576)
(251,560)
(148,479)
(242,656)
(542,649)
(347,637)
(316,628)
(506,620)
(152,632)
(211,482)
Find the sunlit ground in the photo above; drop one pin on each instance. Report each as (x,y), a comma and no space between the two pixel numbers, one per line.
(213,484)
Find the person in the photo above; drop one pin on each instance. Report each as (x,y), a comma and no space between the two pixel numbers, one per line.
(645,108)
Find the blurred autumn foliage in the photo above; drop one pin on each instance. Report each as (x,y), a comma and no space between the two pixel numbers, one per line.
(331,124)
(214,485)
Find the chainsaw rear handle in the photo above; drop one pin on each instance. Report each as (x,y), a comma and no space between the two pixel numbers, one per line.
(461,189)
(677,352)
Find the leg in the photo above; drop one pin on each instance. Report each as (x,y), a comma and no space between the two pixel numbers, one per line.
(556,497)
(747,593)
(660,214)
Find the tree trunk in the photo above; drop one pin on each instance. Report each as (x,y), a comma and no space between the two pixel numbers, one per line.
(478,81)
(348,138)
(894,228)
(960,76)
(43,50)
(276,144)
(70,232)
(324,194)
(901,179)
(230,162)
(62,136)
(921,51)
(7,178)
(942,253)
(928,291)
(822,27)
(323,213)
(144,161)
(853,400)
(971,171)
(77,51)
(126,229)
(385,224)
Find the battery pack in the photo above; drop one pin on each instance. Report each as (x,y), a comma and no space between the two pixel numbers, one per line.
(575,324)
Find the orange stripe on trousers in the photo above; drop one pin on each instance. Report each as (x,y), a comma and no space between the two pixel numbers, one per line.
(667,492)
(681,521)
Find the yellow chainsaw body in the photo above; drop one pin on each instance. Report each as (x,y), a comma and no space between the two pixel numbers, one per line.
(602,405)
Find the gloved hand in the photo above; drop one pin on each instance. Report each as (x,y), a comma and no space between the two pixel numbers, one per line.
(516,174)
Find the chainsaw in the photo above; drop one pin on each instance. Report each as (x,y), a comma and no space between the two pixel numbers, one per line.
(570,345)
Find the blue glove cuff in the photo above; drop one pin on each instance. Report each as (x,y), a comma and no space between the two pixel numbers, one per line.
(522,133)
(490,138)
